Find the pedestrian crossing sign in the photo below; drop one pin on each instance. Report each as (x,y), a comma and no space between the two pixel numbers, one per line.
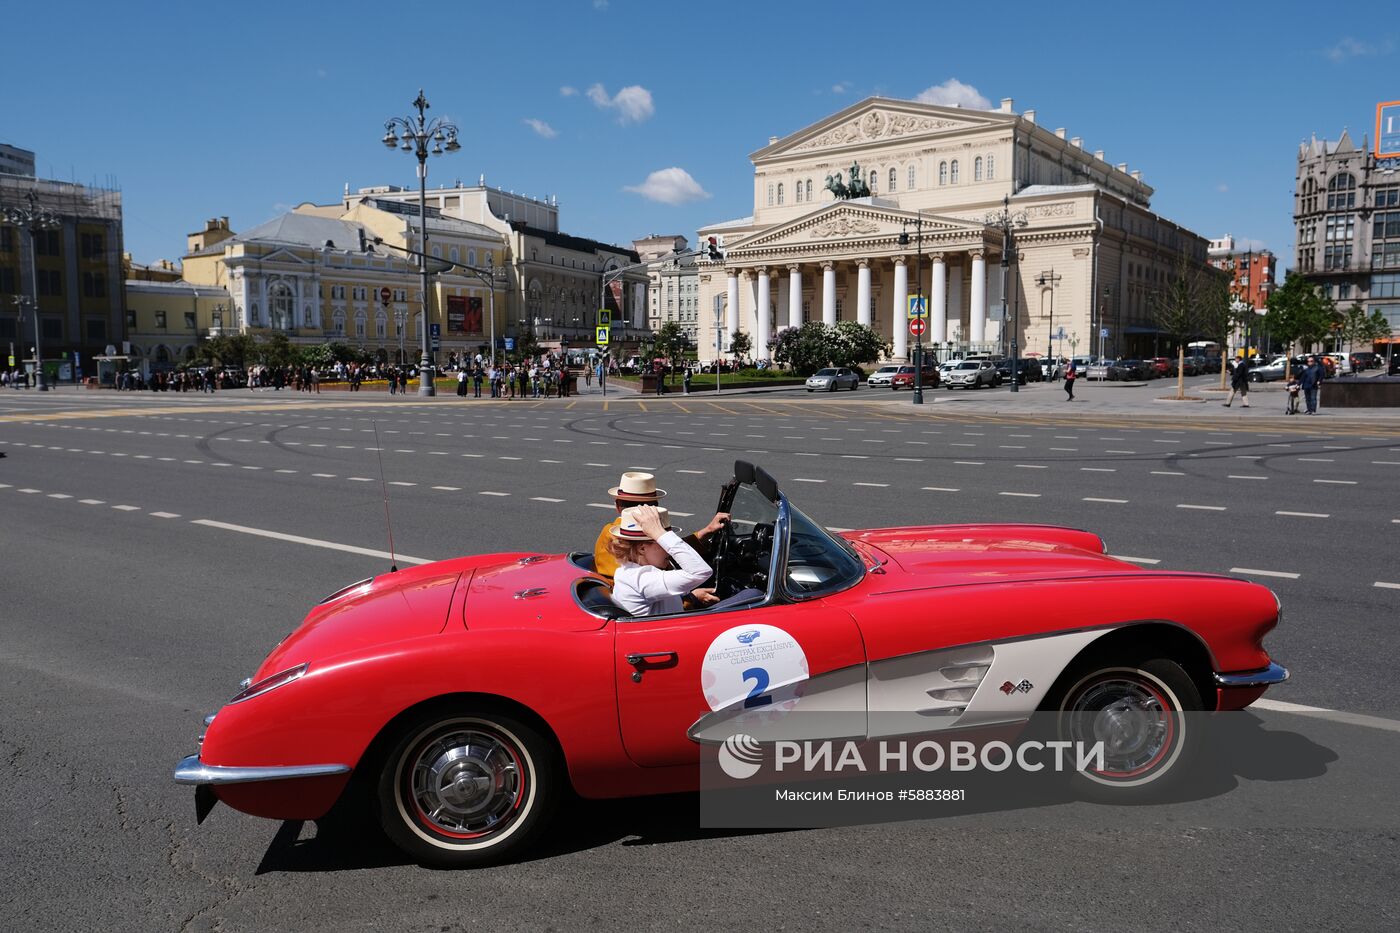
(918,307)
(602,337)
(604,317)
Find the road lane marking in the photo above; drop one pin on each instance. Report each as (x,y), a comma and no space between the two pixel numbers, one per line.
(121,508)
(601,505)
(1305,514)
(59,495)
(940,488)
(878,485)
(1244,476)
(1316,460)
(544,499)
(324,475)
(802,479)
(311,542)
(1337,482)
(1098,469)
(1167,473)
(360,479)
(1318,712)
(485,492)
(1031,466)
(395,482)
(93,501)
(1386,586)
(1022,495)
(165,514)
(1206,508)
(1096,499)
(448,488)
(1282,574)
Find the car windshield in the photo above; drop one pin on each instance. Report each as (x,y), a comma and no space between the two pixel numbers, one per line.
(888,369)
(818,563)
(826,372)
(906,369)
(967,365)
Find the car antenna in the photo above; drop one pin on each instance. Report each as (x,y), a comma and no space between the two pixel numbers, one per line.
(384,489)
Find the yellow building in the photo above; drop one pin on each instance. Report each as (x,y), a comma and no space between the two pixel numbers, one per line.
(317,275)
(165,320)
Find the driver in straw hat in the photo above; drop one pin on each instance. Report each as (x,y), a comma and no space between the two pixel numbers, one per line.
(637,488)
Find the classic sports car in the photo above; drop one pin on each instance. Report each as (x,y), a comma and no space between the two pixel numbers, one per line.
(459,700)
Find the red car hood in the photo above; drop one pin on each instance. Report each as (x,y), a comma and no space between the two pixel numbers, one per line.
(953,555)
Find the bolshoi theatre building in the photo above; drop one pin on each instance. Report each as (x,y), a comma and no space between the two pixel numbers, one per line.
(854,213)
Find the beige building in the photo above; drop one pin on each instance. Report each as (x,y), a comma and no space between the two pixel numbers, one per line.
(1090,247)
(673,287)
(553,281)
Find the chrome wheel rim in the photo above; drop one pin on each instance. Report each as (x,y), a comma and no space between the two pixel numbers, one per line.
(465,782)
(1133,718)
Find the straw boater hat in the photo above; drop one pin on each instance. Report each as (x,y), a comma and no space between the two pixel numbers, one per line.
(637,487)
(628,529)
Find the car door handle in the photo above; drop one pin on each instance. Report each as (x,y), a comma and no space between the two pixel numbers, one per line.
(644,658)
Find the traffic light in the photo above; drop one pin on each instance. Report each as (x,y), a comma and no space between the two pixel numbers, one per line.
(714,247)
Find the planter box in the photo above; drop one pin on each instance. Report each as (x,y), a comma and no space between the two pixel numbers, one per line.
(1379,392)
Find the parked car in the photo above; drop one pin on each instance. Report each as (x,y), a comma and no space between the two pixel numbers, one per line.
(1341,363)
(1272,371)
(1127,370)
(1394,368)
(1098,369)
(972,374)
(881,377)
(1027,370)
(1161,365)
(1205,364)
(833,378)
(904,378)
(462,702)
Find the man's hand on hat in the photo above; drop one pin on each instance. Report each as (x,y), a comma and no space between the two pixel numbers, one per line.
(649,520)
(715,524)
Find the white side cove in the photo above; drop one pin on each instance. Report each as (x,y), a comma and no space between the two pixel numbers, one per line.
(969,686)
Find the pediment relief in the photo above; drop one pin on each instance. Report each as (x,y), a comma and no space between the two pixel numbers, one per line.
(876,125)
(841,223)
(282,255)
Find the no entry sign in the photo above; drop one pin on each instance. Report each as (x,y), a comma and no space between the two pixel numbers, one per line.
(918,327)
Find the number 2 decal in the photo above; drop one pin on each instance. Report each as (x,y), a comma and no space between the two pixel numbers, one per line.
(756,697)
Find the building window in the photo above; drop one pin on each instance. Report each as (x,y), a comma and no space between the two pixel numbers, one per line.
(770,195)
(7,282)
(360,325)
(894,180)
(52,328)
(1344,291)
(381,325)
(910,182)
(1336,258)
(953,171)
(780,194)
(1341,192)
(1385,286)
(471,257)
(991,168)
(452,254)
(797,193)
(809,189)
(338,323)
(977,169)
(1340,227)
(7,239)
(45,242)
(1383,256)
(1387,225)
(96,330)
(160,320)
(281,309)
(1385,197)
(943,173)
(50,282)
(189,320)
(94,285)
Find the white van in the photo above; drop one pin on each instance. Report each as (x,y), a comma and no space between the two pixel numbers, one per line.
(1343,361)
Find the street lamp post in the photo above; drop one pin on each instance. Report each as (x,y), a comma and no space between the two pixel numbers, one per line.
(1007,219)
(1049,279)
(34,219)
(918,284)
(421,137)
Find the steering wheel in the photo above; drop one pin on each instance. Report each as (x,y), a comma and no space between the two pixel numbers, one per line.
(719,559)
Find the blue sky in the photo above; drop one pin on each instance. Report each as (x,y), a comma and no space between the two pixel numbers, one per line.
(199,110)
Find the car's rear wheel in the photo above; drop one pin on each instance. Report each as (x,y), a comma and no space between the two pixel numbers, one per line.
(463,790)
(1140,711)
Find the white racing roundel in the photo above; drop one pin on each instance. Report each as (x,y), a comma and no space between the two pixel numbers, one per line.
(753,666)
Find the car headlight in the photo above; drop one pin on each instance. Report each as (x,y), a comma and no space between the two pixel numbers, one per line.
(280,679)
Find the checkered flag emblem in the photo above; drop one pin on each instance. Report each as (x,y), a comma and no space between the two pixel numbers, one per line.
(1025,686)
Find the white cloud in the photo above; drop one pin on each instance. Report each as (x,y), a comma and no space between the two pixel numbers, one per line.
(600,4)
(1349,48)
(953,93)
(1222,187)
(670,186)
(567,91)
(840,87)
(632,103)
(541,127)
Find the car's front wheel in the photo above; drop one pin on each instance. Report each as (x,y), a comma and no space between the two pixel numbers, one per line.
(1140,712)
(463,790)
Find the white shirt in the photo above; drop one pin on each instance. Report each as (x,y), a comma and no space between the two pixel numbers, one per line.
(644,590)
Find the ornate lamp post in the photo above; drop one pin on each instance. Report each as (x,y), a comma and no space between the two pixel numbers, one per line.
(1049,280)
(1007,219)
(33,218)
(919,285)
(420,136)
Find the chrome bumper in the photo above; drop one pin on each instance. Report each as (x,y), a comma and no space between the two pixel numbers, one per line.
(193,771)
(1273,674)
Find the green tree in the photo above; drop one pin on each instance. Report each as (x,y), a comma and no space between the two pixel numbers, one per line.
(1377,327)
(670,342)
(1180,309)
(740,345)
(234,350)
(274,349)
(851,344)
(801,349)
(1356,326)
(1298,311)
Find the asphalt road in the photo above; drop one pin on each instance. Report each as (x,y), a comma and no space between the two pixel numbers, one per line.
(142,584)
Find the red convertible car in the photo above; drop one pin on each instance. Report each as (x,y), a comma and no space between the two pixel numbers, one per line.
(460,700)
